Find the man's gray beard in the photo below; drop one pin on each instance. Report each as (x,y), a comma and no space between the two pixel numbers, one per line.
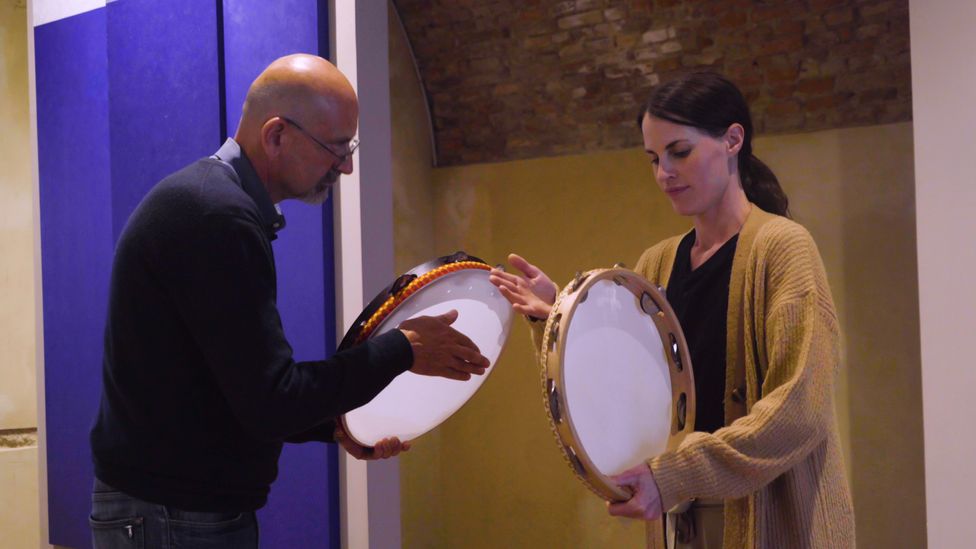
(318,196)
(320,193)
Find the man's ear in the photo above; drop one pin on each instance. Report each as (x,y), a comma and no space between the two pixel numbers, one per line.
(271,133)
(734,138)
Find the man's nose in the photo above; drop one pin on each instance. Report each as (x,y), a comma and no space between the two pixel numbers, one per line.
(345,166)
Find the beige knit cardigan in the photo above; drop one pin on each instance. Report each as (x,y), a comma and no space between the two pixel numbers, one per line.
(777,463)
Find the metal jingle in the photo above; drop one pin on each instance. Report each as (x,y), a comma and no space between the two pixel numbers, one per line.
(553,396)
(676,353)
(575,460)
(578,281)
(457,257)
(648,305)
(681,411)
(554,331)
(402,282)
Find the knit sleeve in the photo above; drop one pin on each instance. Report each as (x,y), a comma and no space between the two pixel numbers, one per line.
(796,338)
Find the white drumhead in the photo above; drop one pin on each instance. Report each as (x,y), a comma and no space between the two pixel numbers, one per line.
(616,381)
(413,404)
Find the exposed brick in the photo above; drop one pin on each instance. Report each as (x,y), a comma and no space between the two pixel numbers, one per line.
(614,14)
(825,102)
(838,16)
(520,78)
(580,19)
(816,85)
(657,35)
(782,91)
(733,19)
(563,8)
(880,8)
(670,47)
(781,108)
(782,44)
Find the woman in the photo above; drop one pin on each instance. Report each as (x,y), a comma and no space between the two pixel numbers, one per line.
(764,467)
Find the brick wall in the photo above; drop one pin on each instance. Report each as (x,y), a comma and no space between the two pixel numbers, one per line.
(509,79)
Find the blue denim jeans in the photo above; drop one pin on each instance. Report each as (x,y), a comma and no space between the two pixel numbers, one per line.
(122,521)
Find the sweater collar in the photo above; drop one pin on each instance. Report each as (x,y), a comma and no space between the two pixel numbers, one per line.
(231,154)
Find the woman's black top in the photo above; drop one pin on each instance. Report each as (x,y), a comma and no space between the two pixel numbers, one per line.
(700,299)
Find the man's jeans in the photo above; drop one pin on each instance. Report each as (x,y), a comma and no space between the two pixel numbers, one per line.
(122,521)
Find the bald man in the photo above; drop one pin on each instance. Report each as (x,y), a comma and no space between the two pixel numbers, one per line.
(200,389)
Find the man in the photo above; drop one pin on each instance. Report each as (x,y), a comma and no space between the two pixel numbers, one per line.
(200,389)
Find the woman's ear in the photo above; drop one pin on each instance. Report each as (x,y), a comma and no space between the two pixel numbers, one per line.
(734,138)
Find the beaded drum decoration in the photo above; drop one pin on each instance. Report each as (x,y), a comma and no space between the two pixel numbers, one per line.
(412,404)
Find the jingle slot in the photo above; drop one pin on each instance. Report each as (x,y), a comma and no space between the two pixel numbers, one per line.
(648,305)
(553,396)
(682,409)
(675,353)
(578,281)
(402,282)
(554,331)
(575,460)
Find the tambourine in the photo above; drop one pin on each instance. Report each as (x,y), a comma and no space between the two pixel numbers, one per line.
(616,375)
(414,404)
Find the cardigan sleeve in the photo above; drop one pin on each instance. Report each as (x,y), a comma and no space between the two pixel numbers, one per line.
(796,336)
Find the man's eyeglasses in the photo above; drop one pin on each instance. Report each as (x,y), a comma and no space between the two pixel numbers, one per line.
(341,155)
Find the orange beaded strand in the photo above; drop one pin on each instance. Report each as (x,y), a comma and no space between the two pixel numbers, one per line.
(416,284)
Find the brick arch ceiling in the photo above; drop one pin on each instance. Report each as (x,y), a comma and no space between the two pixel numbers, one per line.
(510,79)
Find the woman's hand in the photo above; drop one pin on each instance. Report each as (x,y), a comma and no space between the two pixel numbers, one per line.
(386,448)
(531,295)
(646,501)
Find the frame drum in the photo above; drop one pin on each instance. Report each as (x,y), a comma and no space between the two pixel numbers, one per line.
(412,404)
(616,375)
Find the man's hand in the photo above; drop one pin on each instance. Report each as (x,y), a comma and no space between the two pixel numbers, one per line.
(386,448)
(646,502)
(531,295)
(439,350)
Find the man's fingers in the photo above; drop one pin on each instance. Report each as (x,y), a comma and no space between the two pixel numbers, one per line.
(471,357)
(464,341)
(448,317)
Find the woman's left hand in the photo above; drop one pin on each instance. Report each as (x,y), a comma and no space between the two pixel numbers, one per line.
(646,501)
(386,448)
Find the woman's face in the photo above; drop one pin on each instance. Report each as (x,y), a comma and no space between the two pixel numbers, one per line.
(693,168)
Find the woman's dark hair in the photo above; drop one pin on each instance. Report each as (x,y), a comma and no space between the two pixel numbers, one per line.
(711,103)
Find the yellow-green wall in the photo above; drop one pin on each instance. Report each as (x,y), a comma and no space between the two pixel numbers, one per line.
(413,195)
(19,507)
(18,397)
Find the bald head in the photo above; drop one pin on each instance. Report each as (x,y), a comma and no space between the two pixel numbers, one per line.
(302,87)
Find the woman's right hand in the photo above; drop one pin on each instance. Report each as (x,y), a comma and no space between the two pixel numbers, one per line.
(532,294)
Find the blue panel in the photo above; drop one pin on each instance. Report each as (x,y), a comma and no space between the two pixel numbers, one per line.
(76,253)
(303,509)
(165,99)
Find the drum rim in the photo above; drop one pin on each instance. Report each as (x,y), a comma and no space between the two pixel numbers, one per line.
(553,381)
(397,294)
(354,335)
